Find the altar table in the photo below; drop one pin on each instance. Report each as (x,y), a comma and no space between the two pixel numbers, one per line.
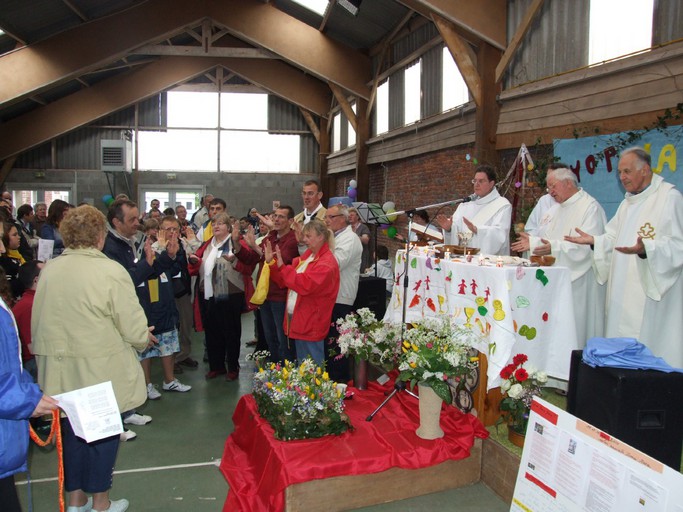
(259,468)
(517,309)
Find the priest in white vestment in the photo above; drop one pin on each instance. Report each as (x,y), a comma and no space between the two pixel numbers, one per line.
(487,218)
(640,256)
(575,208)
(542,212)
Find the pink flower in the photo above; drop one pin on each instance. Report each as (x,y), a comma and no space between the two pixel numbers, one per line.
(430,345)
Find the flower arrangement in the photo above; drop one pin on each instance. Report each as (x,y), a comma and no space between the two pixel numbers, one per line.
(299,402)
(435,351)
(520,384)
(363,336)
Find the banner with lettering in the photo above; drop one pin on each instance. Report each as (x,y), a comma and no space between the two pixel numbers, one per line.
(595,159)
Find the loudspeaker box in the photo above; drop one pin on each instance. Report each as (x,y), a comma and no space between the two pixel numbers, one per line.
(372,294)
(643,408)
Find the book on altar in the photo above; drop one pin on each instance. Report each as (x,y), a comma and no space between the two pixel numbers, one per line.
(92,411)
(428,231)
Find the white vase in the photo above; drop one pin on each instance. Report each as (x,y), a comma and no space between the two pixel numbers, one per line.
(430,413)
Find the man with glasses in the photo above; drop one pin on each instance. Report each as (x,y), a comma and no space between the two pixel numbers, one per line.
(541,214)
(313,208)
(575,209)
(272,311)
(486,219)
(348,250)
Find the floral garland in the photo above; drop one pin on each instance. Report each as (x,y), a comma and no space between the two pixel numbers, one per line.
(299,402)
(520,384)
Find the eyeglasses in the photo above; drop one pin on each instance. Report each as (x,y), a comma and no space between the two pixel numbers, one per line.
(309,194)
(474,182)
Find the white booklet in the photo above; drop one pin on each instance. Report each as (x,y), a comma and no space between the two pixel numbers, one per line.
(45,248)
(92,411)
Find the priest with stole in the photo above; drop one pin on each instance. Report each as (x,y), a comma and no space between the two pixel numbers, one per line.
(640,257)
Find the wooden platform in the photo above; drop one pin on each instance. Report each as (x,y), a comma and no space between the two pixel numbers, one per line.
(349,492)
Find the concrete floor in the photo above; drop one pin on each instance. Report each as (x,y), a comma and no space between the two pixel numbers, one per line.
(173,463)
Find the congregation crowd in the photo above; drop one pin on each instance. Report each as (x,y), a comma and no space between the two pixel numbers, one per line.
(122,290)
(125,289)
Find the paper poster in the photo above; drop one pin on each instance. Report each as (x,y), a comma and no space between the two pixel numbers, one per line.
(570,466)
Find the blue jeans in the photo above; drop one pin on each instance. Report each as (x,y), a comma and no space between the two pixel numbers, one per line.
(272,318)
(315,349)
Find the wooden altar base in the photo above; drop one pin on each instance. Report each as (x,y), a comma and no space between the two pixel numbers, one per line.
(355,491)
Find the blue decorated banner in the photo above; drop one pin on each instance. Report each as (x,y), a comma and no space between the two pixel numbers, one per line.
(594,160)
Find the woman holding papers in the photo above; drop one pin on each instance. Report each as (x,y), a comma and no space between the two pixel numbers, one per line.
(20,398)
(87,325)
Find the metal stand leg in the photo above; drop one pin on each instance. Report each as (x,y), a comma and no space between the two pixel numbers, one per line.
(399,385)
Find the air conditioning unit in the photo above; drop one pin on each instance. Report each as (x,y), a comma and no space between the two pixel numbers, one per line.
(116,156)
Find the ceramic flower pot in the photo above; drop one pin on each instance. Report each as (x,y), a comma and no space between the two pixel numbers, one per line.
(360,374)
(430,414)
(515,437)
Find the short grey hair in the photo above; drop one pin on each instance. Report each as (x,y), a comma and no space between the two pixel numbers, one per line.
(564,174)
(642,156)
(343,210)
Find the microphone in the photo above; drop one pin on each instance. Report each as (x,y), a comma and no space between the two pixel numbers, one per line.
(471,197)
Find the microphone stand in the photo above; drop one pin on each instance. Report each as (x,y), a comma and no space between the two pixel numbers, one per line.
(401,385)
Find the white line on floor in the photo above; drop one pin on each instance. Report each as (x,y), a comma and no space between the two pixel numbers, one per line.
(215,462)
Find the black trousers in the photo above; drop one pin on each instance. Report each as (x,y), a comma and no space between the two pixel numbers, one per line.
(8,495)
(337,366)
(222,321)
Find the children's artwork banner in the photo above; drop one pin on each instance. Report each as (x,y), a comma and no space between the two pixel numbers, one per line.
(594,160)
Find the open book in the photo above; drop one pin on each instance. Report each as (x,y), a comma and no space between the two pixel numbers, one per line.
(428,232)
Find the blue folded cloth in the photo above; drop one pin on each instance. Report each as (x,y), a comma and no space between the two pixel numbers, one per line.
(623,353)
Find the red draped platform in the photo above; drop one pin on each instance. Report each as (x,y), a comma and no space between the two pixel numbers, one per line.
(259,468)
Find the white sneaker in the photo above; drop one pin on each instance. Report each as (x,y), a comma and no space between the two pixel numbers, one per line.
(175,385)
(85,508)
(127,435)
(139,419)
(116,506)
(153,392)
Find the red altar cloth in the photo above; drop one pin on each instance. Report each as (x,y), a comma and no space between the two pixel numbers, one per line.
(259,468)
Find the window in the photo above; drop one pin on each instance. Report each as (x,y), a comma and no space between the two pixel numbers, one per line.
(242,152)
(201,129)
(350,132)
(454,91)
(619,27)
(412,93)
(336,132)
(317,6)
(171,197)
(29,194)
(382,108)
